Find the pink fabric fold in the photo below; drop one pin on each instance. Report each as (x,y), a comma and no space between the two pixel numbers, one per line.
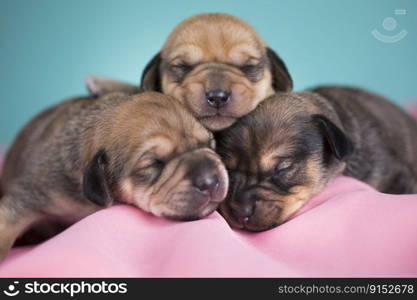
(349,230)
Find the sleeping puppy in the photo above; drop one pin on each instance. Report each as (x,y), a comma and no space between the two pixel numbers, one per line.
(287,150)
(216,65)
(82,155)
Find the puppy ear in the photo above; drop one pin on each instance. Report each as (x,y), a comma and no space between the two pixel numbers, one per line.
(339,143)
(98,86)
(151,76)
(95,185)
(281,78)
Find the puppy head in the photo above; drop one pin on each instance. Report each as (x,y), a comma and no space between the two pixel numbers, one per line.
(278,157)
(150,152)
(218,67)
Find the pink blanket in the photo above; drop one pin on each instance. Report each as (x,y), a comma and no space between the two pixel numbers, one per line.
(348,230)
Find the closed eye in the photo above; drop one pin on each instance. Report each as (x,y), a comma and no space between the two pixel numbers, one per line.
(156,163)
(149,160)
(179,70)
(282,174)
(252,71)
(284,165)
(149,173)
(249,68)
(181,66)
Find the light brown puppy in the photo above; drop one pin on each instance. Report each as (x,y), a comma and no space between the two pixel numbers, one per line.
(216,65)
(293,144)
(85,154)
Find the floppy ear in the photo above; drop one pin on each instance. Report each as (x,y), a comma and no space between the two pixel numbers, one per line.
(151,76)
(281,78)
(339,143)
(98,86)
(95,184)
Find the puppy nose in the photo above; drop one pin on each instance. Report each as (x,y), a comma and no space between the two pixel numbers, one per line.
(243,206)
(217,98)
(206,183)
(243,211)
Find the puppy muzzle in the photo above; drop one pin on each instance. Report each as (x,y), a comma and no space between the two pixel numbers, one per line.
(207,175)
(206,187)
(247,211)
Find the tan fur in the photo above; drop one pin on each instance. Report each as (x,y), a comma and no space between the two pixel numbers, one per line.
(301,194)
(145,150)
(221,39)
(210,53)
(215,35)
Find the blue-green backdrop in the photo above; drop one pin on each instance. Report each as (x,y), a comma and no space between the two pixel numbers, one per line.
(48,47)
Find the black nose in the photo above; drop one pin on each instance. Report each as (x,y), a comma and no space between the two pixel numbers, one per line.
(206,183)
(243,207)
(217,98)
(243,212)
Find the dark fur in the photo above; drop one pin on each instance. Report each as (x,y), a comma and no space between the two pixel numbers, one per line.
(151,75)
(323,132)
(384,136)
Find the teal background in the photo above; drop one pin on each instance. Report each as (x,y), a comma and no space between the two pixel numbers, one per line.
(48,47)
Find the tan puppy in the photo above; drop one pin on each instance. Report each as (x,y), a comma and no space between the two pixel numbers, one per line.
(85,154)
(287,150)
(216,65)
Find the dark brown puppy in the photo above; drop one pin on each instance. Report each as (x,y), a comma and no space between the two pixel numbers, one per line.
(287,150)
(85,154)
(216,65)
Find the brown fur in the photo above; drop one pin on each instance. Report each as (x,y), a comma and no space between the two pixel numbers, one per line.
(85,154)
(208,53)
(287,150)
